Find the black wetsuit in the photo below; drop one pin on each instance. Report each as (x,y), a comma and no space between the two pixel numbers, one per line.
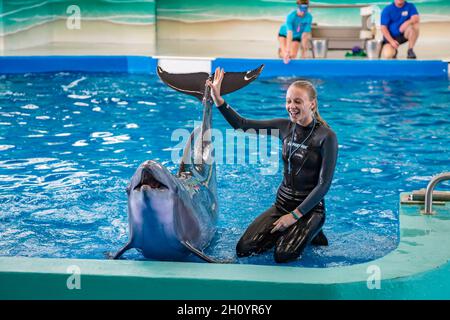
(307,177)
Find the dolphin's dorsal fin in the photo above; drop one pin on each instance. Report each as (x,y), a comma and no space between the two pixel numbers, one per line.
(194,83)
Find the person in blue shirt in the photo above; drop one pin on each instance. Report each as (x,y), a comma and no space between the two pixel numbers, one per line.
(295,31)
(399,24)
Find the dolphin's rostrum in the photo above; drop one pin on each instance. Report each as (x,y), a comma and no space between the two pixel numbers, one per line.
(171,216)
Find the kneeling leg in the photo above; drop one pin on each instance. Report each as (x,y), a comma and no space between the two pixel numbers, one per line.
(257,238)
(291,244)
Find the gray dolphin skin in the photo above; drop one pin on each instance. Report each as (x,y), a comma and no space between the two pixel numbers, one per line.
(171,216)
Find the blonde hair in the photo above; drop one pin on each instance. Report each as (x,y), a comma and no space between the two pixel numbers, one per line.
(312,94)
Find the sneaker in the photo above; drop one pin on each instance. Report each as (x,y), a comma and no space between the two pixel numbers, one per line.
(411,54)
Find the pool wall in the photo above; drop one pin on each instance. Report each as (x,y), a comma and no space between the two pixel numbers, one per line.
(29,64)
(338,68)
(273,67)
(418,268)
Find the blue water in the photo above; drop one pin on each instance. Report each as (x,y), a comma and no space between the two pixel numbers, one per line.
(70,142)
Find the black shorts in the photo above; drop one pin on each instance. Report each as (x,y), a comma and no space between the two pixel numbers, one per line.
(293,39)
(400,39)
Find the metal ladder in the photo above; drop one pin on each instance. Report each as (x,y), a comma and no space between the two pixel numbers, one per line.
(429,191)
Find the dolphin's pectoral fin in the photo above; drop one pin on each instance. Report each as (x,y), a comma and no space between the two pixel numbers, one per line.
(121,251)
(201,255)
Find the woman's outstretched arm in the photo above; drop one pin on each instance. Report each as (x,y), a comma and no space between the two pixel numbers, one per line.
(239,122)
(235,119)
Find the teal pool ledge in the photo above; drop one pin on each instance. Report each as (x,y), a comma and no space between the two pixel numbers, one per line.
(418,269)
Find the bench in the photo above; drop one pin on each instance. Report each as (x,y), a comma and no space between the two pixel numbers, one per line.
(345,37)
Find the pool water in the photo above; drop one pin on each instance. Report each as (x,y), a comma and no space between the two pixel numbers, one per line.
(70,142)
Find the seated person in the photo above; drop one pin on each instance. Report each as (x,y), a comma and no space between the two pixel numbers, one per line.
(399,24)
(296,30)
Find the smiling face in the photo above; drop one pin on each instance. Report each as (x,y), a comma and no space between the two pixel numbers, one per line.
(299,106)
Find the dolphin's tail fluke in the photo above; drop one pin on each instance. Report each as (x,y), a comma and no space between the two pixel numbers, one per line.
(194,83)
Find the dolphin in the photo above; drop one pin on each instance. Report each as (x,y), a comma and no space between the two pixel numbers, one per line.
(171,216)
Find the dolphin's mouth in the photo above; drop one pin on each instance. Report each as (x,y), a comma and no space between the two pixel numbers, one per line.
(148,180)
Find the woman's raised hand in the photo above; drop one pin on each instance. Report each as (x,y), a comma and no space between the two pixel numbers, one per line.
(215,86)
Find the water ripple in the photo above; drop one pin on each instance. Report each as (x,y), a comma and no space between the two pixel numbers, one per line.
(67,154)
